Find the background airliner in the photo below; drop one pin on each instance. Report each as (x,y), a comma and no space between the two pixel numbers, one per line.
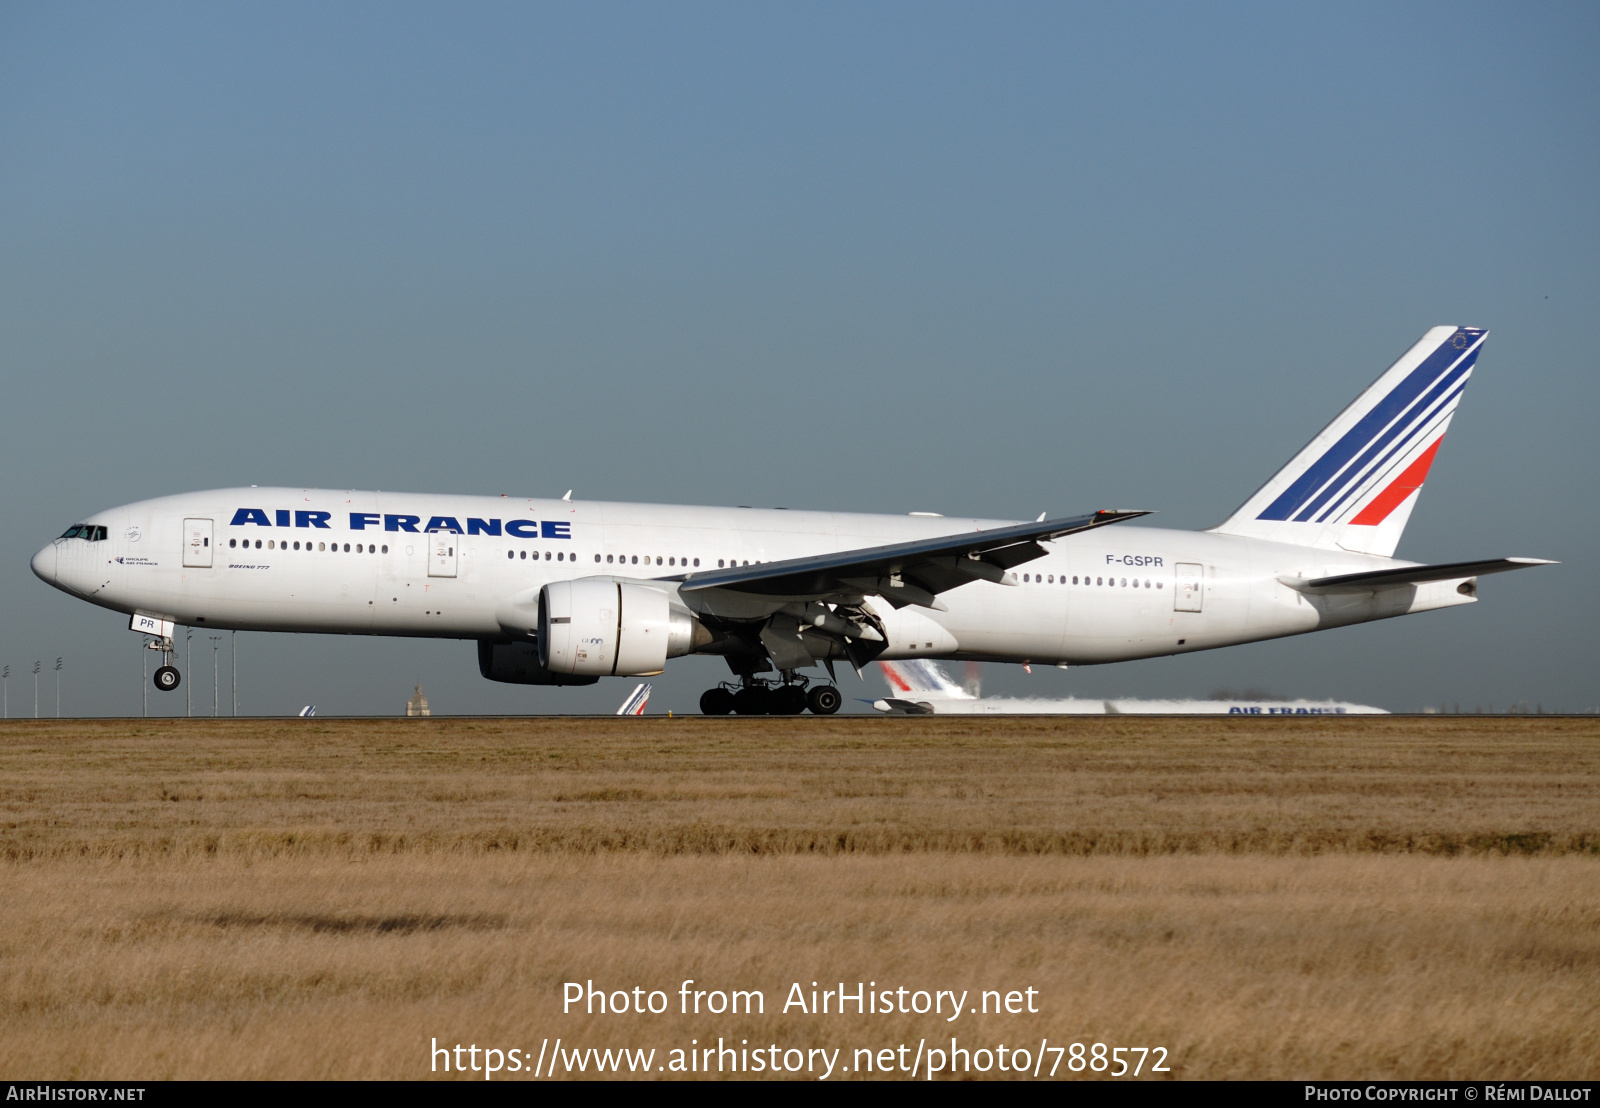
(923,688)
(564,592)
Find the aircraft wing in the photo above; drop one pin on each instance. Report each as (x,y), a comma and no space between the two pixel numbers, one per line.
(903,573)
(1415,575)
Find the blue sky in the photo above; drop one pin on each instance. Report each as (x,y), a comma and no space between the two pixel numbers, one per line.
(985,260)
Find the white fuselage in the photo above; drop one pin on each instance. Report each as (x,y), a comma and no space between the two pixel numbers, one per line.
(307,560)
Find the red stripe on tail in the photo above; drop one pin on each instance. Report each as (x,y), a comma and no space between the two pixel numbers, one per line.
(1400,488)
(896,682)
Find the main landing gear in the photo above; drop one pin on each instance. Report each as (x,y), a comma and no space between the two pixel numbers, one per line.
(166,676)
(757,698)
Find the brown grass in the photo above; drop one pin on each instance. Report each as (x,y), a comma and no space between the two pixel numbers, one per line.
(1284,898)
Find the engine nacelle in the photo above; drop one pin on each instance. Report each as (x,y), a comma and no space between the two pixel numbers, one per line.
(517,663)
(602,627)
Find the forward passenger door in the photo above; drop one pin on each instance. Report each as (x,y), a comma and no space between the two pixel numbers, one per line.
(197,543)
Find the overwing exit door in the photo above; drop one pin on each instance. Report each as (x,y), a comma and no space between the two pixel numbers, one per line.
(197,543)
(443,550)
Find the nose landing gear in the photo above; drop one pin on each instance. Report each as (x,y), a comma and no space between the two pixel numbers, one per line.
(757,698)
(166,676)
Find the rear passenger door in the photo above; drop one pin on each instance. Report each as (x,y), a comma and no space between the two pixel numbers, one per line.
(1191,586)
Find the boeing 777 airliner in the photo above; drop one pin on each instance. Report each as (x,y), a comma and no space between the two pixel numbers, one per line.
(564,592)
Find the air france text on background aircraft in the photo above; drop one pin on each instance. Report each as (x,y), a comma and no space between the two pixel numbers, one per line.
(564,592)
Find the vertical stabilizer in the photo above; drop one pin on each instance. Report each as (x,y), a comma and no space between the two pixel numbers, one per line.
(923,677)
(1353,486)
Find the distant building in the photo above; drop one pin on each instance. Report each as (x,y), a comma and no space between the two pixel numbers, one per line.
(418,704)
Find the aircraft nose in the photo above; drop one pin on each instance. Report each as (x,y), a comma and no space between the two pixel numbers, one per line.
(44,564)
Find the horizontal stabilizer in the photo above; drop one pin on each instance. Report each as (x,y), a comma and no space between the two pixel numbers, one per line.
(1411,575)
(894,706)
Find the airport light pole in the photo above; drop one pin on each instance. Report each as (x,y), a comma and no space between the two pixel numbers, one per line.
(58,688)
(215,639)
(188,664)
(233,667)
(5,682)
(144,681)
(36,689)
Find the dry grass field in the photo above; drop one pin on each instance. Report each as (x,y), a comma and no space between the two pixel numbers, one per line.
(1330,897)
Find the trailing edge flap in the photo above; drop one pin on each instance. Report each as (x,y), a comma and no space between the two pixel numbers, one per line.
(1410,575)
(917,571)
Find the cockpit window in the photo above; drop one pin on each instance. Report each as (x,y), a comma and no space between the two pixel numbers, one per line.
(86,531)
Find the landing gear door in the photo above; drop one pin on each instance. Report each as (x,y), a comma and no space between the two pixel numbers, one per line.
(1190,591)
(197,543)
(444,547)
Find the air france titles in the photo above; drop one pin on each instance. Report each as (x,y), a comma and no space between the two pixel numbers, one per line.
(390,521)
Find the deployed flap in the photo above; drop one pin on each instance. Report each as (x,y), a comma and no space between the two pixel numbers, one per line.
(1412,575)
(909,571)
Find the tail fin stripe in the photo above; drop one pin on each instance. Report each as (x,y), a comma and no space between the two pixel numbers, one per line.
(1400,488)
(1378,428)
(1415,419)
(1422,428)
(897,682)
(1446,360)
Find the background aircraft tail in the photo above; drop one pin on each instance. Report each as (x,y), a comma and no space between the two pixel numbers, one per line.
(1353,486)
(919,676)
(637,699)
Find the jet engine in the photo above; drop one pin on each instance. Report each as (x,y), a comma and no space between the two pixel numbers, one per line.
(517,663)
(602,627)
